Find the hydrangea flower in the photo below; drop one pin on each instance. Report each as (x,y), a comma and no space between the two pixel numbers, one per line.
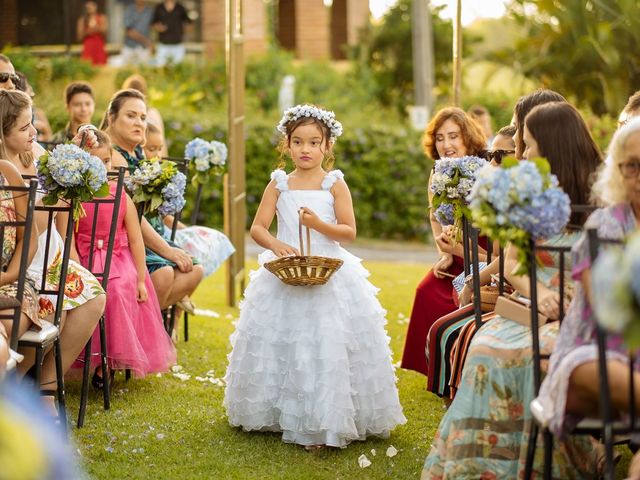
(159,186)
(71,173)
(206,157)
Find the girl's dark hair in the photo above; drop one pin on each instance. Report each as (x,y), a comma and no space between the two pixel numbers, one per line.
(285,142)
(115,104)
(472,135)
(563,138)
(524,106)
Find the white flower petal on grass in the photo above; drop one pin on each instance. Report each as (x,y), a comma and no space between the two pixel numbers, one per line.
(363,461)
(202,379)
(177,368)
(160,436)
(373,452)
(391,451)
(182,376)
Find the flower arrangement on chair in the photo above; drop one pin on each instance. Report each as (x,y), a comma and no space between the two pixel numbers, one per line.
(207,158)
(616,290)
(451,184)
(519,202)
(72,174)
(159,186)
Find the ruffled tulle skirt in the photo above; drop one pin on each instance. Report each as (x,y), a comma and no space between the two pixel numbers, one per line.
(313,362)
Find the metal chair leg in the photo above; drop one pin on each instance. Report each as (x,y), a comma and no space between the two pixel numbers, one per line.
(531,450)
(84,392)
(62,404)
(38,365)
(186,326)
(548,454)
(106,381)
(610,470)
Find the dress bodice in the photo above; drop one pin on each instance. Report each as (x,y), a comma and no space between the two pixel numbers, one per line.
(7,214)
(290,201)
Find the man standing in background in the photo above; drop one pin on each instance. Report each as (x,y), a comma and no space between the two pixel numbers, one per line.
(138,46)
(169,20)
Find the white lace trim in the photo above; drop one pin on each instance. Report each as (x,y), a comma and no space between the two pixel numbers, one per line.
(331,178)
(281,178)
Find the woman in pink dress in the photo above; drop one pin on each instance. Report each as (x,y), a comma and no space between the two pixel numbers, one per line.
(136,338)
(92,28)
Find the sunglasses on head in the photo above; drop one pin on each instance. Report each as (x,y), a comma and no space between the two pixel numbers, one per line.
(4,77)
(498,155)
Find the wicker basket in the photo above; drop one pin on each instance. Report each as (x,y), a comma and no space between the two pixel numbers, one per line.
(305,270)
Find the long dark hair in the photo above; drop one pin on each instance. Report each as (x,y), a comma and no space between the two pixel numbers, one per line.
(524,106)
(564,139)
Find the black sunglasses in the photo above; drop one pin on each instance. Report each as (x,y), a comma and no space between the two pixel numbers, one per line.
(498,155)
(4,77)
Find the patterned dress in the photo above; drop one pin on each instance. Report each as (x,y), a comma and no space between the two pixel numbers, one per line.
(577,340)
(80,285)
(30,297)
(484,434)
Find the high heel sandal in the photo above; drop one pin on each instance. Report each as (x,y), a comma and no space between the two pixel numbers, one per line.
(53,412)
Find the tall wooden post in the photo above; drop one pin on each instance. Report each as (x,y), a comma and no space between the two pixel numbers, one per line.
(235,208)
(457,54)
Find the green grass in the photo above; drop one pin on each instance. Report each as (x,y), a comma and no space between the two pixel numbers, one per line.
(162,427)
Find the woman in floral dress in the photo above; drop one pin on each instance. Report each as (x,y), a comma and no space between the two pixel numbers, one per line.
(84,298)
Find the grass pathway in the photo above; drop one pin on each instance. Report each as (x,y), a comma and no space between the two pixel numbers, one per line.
(164,427)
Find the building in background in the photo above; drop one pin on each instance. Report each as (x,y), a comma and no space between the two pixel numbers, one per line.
(310,28)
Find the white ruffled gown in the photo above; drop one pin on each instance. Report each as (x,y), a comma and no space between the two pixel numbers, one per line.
(312,362)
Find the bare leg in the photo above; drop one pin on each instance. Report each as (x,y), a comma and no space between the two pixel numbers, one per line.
(183,284)
(163,280)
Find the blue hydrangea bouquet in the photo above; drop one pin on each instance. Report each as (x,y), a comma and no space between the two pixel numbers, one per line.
(159,186)
(519,202)
(207,158)
(70,173)
(616,290)
(451,183)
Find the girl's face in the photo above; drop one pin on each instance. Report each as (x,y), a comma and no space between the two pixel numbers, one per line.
(153,145)
(306,147)
(81,108)
(449,141)
(530,145)
(630,168)
(103,152)
(22,135)
(131,122)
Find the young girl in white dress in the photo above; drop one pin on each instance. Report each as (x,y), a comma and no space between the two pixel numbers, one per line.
(311,362)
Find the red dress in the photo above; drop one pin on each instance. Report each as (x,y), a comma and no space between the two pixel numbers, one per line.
(93,44)
(434,299)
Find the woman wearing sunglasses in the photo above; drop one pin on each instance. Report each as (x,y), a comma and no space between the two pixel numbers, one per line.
(8,78)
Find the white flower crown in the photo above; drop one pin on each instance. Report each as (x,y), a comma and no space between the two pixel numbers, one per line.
(304,110)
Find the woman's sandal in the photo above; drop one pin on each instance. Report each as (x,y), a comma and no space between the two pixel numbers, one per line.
(52,411)
(96,380)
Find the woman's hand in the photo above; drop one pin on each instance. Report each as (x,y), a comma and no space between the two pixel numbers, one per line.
(549,304)
(182,259)
(281,249)
(309,218)
(444,241)
(142,292)
(442,265)
(90,139)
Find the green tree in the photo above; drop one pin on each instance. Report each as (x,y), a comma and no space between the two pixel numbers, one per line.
(387,54)
(586,50)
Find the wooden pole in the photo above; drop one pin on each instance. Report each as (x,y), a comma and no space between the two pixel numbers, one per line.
(423,64)
(457,54)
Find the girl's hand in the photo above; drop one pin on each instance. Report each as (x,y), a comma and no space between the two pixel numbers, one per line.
(142,292)
(309,218)
(281,249)
(442,265)
(464,297)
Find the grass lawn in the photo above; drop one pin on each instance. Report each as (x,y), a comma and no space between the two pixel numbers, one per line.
(164,427)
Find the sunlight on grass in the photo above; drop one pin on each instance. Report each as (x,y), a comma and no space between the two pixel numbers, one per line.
(165,427)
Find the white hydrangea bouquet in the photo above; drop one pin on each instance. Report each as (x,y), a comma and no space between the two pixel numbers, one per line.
(451,183)
(70,173)
(615,281)
(207,158)
(518,202)
(157,185)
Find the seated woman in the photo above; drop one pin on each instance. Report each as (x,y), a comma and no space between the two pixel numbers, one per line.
(81,105)
(173,273)
(84,298)
(571,389)
(451,133)
(210,247)
(484,432)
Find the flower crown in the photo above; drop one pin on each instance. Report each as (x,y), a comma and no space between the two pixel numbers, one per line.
(328,118)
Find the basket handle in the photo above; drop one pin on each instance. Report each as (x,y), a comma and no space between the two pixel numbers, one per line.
(301,213)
